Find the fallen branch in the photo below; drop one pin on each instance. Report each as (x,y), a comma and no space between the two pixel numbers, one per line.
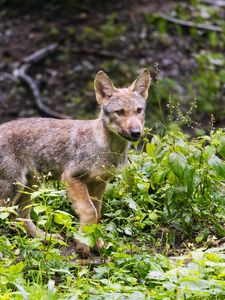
(21,72)
(40,54)
(190,24)
(7,76)
(214,2)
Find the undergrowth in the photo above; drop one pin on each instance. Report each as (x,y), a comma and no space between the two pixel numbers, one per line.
(161,214)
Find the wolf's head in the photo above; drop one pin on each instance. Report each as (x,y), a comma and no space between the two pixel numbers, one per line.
(123,109)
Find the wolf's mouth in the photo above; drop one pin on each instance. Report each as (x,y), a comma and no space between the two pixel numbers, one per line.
(128,137)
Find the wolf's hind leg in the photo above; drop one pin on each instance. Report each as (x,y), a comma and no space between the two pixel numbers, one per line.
(24,208)
(96,191)
(6,191)
(11,194)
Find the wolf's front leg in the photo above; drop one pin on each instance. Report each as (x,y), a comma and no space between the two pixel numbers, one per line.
(84,207)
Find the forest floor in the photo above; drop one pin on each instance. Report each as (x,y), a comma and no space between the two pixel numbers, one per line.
(119,37)
(165,210)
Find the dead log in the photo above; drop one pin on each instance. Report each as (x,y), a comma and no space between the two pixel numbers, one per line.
(190,23)
(21,73)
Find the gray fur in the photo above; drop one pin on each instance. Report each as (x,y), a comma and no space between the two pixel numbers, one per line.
(84,154)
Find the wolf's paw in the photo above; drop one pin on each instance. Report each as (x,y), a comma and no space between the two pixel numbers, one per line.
(82,249)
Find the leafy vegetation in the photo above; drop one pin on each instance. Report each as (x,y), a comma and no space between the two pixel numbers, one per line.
(165,204)
(203,77)
(164,212)
(176,184)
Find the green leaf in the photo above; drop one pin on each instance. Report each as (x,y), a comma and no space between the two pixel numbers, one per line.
(35,194)
(199,238)
(85,238)
(156,275)
(39,209)
(52,292)
(153,216)
(22,290)
(143,186)
(215,257)
(131,203)
(221,147)
(42,222)
(188,177)
(177,164)
(217,165)
(4,215)
(14,271)
(197,255)
(89,228)
(150,149)
(62,218)
(128,230)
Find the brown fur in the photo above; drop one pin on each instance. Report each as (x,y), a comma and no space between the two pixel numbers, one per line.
(84,154)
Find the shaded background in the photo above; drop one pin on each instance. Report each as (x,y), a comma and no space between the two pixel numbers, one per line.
(185,55)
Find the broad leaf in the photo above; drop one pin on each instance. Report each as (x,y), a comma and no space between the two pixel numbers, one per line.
(177,164)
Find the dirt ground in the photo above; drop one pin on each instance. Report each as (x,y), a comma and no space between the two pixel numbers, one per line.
(116,37)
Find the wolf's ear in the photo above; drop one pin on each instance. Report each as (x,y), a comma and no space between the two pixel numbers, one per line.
(142,83)
(104,87)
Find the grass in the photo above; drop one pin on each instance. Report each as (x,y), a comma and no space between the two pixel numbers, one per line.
(162,214)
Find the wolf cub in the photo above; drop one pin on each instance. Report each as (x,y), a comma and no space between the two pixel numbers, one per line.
(81,153)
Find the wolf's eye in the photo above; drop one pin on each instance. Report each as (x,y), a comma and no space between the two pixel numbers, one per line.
(139,110)
(120,112)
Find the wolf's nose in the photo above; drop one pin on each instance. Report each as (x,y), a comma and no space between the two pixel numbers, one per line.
(135,134)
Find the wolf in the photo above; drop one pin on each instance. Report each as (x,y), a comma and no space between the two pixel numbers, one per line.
(83,154)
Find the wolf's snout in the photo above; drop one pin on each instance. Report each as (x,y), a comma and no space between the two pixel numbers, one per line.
(135,134)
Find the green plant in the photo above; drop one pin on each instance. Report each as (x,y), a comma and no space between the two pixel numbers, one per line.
(111,30)
(169,196)
(209,81)
(178,184)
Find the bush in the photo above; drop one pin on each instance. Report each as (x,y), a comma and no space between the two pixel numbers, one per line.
(176,187)
(170,194)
